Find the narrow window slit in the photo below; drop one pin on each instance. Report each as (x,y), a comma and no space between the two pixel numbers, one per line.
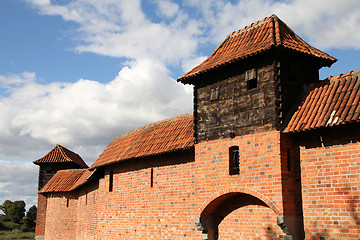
(234,167)
(152,178)
(111,181)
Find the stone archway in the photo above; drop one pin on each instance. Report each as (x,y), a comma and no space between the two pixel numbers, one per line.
(222,204)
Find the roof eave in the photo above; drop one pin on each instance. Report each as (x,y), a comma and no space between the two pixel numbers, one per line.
(135,158)
(325,62)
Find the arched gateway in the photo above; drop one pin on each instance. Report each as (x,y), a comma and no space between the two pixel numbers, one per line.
(252,211)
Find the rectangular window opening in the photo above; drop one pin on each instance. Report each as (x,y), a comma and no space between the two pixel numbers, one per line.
(111,181)
(67,202)
(234,167)
(152,178)
(252,84)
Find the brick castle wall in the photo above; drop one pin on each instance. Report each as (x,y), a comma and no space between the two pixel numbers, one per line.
(330,170)
(61,216)
(88,200)
(159,198)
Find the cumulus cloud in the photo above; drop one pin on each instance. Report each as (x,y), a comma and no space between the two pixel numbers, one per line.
(325,23)
(14,80)
(18,181)
(119,28)
(89,113)
(167,8)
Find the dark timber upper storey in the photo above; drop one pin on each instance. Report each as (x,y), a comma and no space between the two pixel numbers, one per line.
(252,80)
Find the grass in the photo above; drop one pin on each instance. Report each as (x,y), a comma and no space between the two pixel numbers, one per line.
(11,230)
(16,234)
(11,225)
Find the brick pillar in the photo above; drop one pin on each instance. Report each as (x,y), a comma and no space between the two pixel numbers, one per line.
(40,217)
(291,188)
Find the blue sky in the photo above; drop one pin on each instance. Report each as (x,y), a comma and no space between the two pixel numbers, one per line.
(44,44)
(79,73)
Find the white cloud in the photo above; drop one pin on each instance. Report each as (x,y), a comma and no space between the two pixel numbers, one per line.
(167,8)
(18,181)
(121,29)
(324,23)
(13,80)
(188,64)
(41,2)
(89,113)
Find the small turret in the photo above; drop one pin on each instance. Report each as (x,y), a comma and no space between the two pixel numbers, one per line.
(59,158)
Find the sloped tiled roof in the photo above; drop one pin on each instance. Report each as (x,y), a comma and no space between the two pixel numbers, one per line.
(60,154)
(66,180)
(251,40)
(161,137)
(333,101)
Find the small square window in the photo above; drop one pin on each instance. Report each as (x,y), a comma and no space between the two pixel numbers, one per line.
(251,79)
(251,84)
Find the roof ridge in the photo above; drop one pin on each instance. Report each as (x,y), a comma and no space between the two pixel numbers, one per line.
(73,170)
(251,26)
(277,34)
(61,149)
(169,120)
(343,75)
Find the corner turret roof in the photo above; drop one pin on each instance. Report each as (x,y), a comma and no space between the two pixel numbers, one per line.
(60,154)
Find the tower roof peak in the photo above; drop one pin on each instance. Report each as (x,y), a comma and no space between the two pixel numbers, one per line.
(60,154)
(260,36)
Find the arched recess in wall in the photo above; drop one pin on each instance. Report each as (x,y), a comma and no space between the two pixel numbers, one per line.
(223,203)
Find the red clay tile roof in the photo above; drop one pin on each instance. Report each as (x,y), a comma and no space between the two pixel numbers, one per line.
(161,137)
(60,154)
(331,102)
(66,180)
(251,40)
